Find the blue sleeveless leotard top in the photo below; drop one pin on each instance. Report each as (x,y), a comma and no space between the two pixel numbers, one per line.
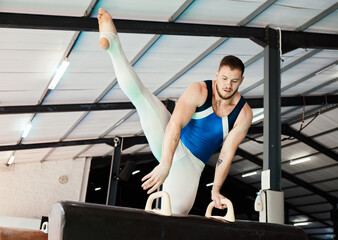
(206,131)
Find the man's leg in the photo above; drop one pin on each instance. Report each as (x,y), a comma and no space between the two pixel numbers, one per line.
(154,117)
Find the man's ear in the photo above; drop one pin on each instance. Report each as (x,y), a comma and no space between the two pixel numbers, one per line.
(216,74)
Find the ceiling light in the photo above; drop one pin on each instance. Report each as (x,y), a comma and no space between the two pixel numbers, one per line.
(58,75)
(301,223)
(293,162)
(97,189)
(249,174)
(11,160)
(209,184)
(27,130)
(136,172)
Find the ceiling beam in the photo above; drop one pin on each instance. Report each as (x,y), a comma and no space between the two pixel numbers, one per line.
(290,39)
(253,102)
(287,130)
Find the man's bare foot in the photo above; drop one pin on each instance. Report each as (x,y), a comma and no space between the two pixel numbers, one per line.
(105,25)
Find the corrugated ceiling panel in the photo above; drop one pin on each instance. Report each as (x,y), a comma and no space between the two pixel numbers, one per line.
(250,179)
(326,25)
(12,127)
(97,150)
(313,83)
(129,127)
(252,147)
(316,230)
(296,151)
(26,67)
(319,174)
(4,157)
(318,160)
(286,183)
(328,140)
(60,7)
(32,155)
(328,186)
(240,167)
(294,192)
(306,200)
(317,207)
(224,12)
(96,123)
(324,122)
(91,70)
(141,10)
(289,14)
(309,66)
(51,126)
(134,149)
(64,153)
(207,67)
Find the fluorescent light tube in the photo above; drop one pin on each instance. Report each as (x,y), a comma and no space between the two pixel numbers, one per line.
(209,184)
(136,172)
(11,160)
(301,224)
(58,75)
(249,174)
(27,130)
(293,162)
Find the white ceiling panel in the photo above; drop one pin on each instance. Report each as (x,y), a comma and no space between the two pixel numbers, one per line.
(324,122)
(225,12)
(4,157)
(169,55)
(141,10)
(296,191)
(207,67)
(65,153)
(328,140)
(129,127)
(134,149)
(290,14)
(60,7)
(96,123)
(249,180)
(319,175)
(305,200)
(32,155)
(252,147)
(26,67)
(91,70)
(240,167)
(303,69)
(317,207)
(296,151)
(329,88)
(97,150)
(51,126)
(328,186)
(12,127)
(327,25)
(318,160)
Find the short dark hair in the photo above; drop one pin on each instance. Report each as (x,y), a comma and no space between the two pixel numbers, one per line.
(233,62)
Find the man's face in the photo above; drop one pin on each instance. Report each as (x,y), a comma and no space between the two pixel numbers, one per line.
(228,81)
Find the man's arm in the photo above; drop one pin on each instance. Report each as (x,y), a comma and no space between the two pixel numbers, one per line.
(230,145)
(193,97)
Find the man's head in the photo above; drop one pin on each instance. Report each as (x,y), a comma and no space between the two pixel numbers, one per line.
(229,76)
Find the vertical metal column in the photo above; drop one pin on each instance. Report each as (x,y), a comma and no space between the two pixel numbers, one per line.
(114,171)
(334,218)
(272,110)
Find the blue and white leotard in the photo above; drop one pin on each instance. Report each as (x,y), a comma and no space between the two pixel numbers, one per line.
(206,131)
